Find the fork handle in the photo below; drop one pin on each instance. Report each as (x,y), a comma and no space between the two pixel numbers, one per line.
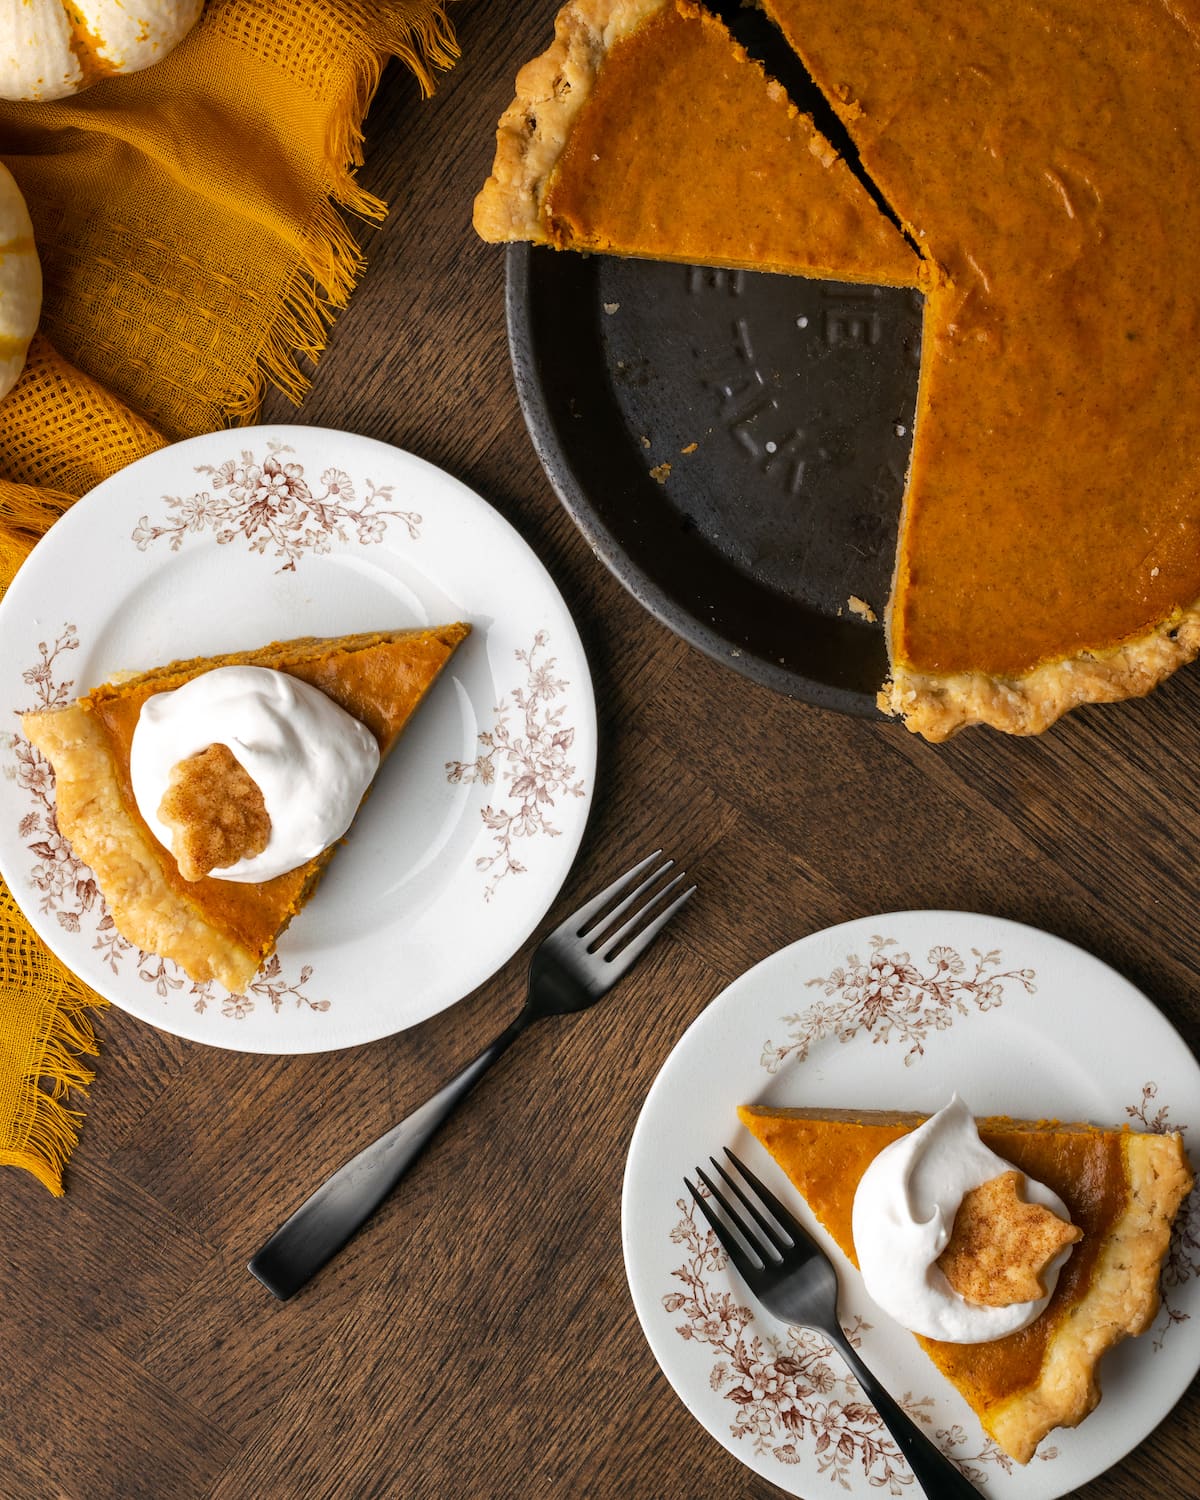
(935,1473)
(344,1202)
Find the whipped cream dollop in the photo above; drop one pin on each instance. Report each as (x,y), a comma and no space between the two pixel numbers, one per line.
(311,760)
(903,1217)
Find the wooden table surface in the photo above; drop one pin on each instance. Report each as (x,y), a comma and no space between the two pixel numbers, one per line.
(478,1339)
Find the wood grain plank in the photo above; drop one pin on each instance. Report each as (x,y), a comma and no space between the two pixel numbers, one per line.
(95,1426)
(207,1153)
(140,1064)
(103,1262)
(508,1263)
(22,1477)
(478,1339)
(1106,778)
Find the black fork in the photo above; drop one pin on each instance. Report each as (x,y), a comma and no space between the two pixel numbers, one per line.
(793,1278)
(573,967)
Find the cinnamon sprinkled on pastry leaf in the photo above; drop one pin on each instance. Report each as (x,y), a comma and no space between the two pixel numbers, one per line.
(1000,1245)
(215,811)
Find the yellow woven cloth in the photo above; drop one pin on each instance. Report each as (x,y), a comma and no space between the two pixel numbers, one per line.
(189,223)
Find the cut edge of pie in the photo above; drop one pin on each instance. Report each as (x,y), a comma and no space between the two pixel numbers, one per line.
(1120,1297)
(95,812)
(517,204)
(552,93)
(878,109)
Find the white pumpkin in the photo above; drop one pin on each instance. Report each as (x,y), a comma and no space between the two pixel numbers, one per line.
(51,48)
(20,282)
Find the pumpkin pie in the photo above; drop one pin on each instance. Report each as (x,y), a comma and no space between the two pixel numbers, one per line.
(646,130)
(1049,550)
(213,928)
(1123,1189)
(1050,541)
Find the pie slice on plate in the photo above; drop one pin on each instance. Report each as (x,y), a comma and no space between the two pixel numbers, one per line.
(214,928)
(646,130)
(1123,1189)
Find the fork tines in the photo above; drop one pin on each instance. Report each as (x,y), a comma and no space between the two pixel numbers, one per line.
(594,920)
(773,1240)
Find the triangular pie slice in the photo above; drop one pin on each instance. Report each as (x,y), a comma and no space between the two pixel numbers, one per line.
(214,929)
(1123,1189)
(646,130)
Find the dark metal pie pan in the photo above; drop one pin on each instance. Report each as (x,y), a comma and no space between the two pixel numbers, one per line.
(733,445)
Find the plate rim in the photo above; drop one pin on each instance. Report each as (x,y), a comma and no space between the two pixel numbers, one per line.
(585,723)
(726,997)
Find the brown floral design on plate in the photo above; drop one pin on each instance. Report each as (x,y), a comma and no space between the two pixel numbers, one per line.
(270,503)
(895,999)
(789,1390)
(528,745)
(67,888)
(1183,1258)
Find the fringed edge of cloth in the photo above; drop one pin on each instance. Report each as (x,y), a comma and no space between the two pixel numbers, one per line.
(44,1130)
(332,262)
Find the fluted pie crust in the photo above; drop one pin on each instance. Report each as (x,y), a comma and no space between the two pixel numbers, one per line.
(1123,1188)
(533,130)
(214,929)
(937,705)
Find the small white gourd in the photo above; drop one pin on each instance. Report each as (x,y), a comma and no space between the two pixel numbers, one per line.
(20,282)
(52,48)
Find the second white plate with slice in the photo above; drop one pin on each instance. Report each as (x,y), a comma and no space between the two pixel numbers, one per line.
(895,1012)
(231,540)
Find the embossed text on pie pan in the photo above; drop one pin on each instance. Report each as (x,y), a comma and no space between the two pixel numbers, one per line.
(733,445)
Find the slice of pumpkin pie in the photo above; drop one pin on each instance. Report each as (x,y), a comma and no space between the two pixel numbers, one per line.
(209,795)
(646,130)
(1121,1189)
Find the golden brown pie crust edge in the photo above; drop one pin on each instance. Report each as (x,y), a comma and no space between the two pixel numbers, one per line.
(937,706)
(92,815)
(533,130)
(1122,1300)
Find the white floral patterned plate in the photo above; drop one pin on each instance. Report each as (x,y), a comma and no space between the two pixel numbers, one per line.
(239,538)
(895,1012)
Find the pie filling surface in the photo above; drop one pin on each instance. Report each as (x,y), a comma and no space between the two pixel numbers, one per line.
(646,130)
(1044,162)
(1123,1190)
(1045,157)
(215,929)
